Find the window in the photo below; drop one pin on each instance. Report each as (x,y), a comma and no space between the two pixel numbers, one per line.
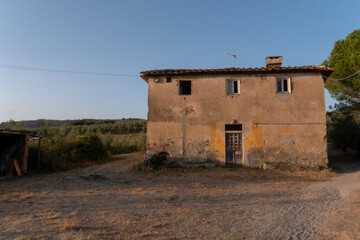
(185,87)
(232,86)
(283,85)
(233,127)
(168,79)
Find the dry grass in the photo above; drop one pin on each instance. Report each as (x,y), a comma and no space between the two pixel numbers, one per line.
(110,202)
(244,174)
(344,221)
(71,224)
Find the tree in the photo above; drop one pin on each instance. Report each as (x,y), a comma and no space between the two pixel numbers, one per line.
(345,59)
(344,120)
(48,123)
(12,124)
(344,126)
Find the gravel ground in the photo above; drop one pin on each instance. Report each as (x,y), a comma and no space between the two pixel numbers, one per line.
(110,201)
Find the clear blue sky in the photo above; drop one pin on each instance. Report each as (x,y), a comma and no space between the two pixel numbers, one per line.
(132,36)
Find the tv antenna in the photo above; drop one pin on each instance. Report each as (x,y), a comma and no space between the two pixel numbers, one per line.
(233,55)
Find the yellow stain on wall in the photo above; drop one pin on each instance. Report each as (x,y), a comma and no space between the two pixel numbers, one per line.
(254,138)
(217,141)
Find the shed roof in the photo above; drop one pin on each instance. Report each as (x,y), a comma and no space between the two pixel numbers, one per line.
(7,132)
(325,71)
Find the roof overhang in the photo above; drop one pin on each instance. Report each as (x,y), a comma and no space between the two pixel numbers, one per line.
(324,71)
(6,132)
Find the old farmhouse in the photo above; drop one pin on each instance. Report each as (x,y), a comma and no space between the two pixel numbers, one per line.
(244,116)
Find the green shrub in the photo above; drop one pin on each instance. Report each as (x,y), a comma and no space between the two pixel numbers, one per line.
(124,143)
(156,160)
(69,146)
(78,122)
(346,134)
(63,153)
(55,155)
(344,126)
(90,147)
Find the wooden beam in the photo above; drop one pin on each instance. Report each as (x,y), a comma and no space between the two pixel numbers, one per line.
(38,163)
(25,157)
(17,167)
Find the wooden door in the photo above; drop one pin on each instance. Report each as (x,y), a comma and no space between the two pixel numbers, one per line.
(233,148)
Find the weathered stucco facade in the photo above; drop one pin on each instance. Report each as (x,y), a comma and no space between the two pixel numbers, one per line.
(288,127)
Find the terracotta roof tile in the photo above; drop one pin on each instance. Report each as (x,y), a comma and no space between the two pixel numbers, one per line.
(326,71)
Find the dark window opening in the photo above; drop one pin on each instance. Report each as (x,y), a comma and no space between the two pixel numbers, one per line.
(233,127)
(168,79)
(235,87)
(285,85)
(185,87)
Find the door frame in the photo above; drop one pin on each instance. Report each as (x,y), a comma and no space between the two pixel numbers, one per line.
(242,147)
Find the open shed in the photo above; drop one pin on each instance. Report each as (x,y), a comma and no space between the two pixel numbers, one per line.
(14,151)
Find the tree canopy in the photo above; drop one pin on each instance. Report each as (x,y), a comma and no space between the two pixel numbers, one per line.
(345,59)
(344,120)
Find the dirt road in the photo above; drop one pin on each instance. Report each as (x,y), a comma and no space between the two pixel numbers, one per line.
(111,202)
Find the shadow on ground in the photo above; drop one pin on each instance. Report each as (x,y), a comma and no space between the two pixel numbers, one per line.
(343,161)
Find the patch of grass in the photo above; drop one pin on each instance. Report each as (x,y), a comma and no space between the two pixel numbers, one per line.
(138,166)
(124,143)
(71,224)
(95,177)
(63,153)
(127,182)
(76,145)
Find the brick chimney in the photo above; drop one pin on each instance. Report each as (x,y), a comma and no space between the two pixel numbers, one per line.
(273,61)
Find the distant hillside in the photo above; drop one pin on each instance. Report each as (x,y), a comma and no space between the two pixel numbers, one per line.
(58,123)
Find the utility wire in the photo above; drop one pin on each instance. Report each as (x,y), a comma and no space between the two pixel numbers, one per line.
(67,71)
(341,79)
(110,74)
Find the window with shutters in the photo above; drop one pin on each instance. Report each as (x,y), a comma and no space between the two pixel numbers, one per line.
(232,86)
(283,85)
